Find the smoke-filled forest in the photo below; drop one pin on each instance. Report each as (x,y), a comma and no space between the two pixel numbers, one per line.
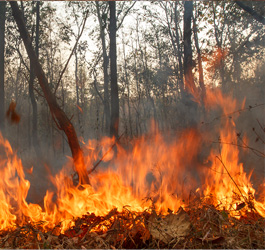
(148,104)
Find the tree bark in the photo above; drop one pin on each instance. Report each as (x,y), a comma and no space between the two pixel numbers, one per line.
(181,82)
(219,47)
(105,71)
(58,114)
(127,86)
(201,80)
(2,66)
(114,118)
(77,88)
(189,80)
(31,88)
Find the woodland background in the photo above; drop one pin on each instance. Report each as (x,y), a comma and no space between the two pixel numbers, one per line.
(226,51)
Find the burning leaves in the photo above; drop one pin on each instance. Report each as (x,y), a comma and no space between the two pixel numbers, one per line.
(200,226)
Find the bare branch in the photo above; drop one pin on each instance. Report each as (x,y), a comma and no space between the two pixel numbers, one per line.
(252,12)
(235,112)
(125,14)
(257,152)
(72,52)
(232,179)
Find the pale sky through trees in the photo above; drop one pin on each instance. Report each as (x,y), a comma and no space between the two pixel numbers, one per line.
(146,57)
(128,30)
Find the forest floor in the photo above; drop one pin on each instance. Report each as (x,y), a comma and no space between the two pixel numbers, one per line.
(199,225)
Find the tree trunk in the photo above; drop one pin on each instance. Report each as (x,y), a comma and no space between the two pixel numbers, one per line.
(105,71)
(31,89)
(77,88)
(181,81)
(219,47)
(2,66)
(127,86)
(189,80)
(114,118)
(201,80)
(175,41)
(58,114)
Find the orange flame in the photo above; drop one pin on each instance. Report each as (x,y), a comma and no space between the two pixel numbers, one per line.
(216,58)
(156,170)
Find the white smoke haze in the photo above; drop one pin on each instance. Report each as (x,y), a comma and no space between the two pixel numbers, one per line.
(179,117)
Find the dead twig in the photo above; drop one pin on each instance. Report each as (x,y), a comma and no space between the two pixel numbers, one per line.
(263,129)
(259,153)
(113,145)
(245,199)
(258,136)
(234,112)
(38,92)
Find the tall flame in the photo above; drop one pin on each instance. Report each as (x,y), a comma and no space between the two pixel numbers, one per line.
(155,170)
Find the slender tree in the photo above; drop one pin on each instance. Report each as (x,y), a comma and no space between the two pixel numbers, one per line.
(219,42)
(114,122)
(196,39)
(179,48)
(189,80)
(127,84)
(2,62)
(58,114)
(31,87)
(252,12)
(102,23)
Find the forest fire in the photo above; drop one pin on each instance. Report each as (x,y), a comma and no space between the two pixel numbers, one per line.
(132,125)
(150,175)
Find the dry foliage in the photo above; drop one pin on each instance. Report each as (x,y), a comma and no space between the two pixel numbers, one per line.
(200,226)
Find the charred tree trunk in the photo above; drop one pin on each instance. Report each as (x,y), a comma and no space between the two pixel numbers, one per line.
(189,80)
(58,114)
(114,118)
(2,62)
